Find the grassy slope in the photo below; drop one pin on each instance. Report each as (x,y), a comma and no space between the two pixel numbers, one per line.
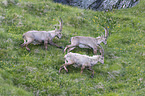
(37,72)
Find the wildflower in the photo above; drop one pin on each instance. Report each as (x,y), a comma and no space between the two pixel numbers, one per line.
(136,43)
(96,17)
(93,20)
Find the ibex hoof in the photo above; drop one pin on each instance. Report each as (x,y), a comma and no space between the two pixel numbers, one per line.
(92,76)
(22,45)
(61,47)
(59,70)
(29,51)
(47,49)
(63,51)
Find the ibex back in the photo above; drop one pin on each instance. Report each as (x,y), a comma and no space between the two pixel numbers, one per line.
(37,37)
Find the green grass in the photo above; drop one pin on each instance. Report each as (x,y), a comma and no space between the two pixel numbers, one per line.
(26,74)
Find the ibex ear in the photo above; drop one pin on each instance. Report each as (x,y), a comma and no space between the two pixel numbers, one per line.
(55,29)
(98,37)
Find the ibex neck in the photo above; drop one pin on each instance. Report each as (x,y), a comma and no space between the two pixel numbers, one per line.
(52,33)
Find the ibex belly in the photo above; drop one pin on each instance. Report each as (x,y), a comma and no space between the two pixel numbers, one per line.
(39,38)
(36,42)
(84,46)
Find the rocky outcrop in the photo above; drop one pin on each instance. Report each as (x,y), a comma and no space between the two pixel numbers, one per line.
(100,4)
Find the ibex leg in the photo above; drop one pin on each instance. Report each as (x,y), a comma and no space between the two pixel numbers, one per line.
(92,71)
(101,49)
(64,66)
(28,42)
(45,44)
(70,49)
(22,45)
(82,68)
(68,46)
(55,44)
(95,50)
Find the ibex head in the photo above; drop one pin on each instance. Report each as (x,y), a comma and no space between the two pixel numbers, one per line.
(104,38)
(58,33)
(101,59)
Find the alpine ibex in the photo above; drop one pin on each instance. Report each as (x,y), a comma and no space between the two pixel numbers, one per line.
(37,37)
(88,42)
(82,61)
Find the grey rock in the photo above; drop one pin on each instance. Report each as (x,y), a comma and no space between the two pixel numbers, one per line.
(100,4)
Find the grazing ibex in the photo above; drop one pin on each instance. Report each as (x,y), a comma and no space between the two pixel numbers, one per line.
(37,37)
(82,61)
(88,42)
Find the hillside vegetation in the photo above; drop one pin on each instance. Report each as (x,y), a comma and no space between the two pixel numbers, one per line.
(36,73)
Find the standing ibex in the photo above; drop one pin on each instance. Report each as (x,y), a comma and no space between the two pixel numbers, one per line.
(82,61)
(37,37)
(88,42)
